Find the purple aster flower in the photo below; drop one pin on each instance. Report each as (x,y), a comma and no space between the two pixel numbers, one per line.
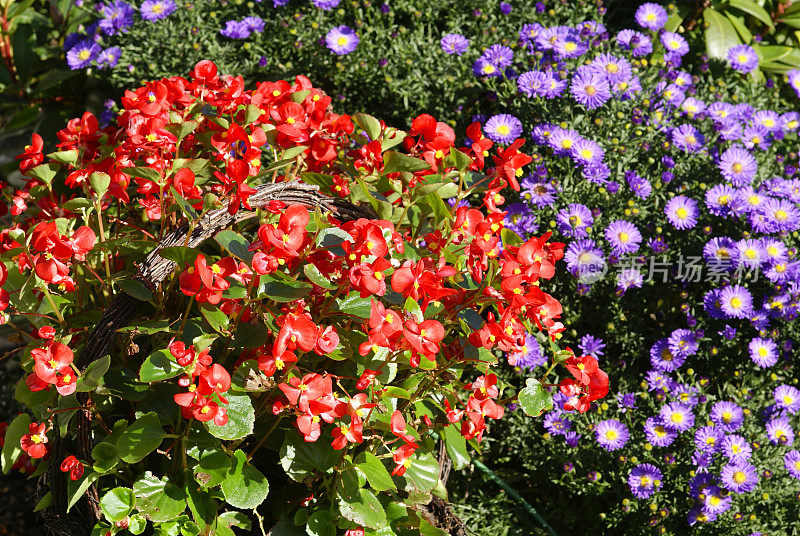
(108,58)
(750,253)
(790,122)
(530,355)
(626,401)
(657,433)
(454,43)
(520,219)
(717,501)
(719,199)
(781,215)
(693,107)
(708,439)
(598,173)
(687,138)
(590,345)
(574,220)
(341,40)
(743,58)
(152,10)
(763,352)
(768,119)
(623,237)
(613,68)
(677,416)
(529,32)
(562,140)
(590,89)
(503,128)
(663,359)
(585,260)
(780,432)
(794,80)
(587,152)
(755,136)
(718,254)
(235,29)
(117,17)
(629,278)
(792,463)
(569,46)
(737,302)
(788,398)
(500,56)
(555,424)
(636,42)
(738,166)
(739,477)
(675,44)
(727,416)
(533,83)
(651,16)
(254,24)
(657,380)
(736,448)
(572,439)
(681,212)
(82,54)
(641,187)
(326,5)
(541,194)
(683,343)
(644,480)
(611,434)
(685,394)
(505,8)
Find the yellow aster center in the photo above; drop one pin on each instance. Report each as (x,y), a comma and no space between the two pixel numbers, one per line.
(736,449)
(750,253)
(727,416)
(84,55)
(780,268)
(611,434)
(682,213)
(788,400)
(587,154)
(503,130)
(736,302)
(158,8)
(737,167)
(710,440)
(488,69)
(714,500)
(651,17)
(781,215)
(623,237)
(660,431)
(566,143)
(742,58)
(612,68)
(570,46)
(342,41)
(590,90)
(644,481)
(762,352)
(676,417)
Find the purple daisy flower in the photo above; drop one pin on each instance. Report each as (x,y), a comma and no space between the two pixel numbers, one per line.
(780,432)
(716,502)
(657,433)
(738,166)
(541,194)
(768,119)
(555,424)
(781,215)
(683,343)
(341,40)
(791,461)
(675,44)
(585,260)
(483,67)
(681,212)
(117,17)
(719,199)
(562,140)
(651,16)
(108,58)
(641,187)
(739,477)
(629,278)
(727,416)
(644,480)
(788,398)
(235,29)
(587,151)
(663,359)
(326,5)
(574,220)
(687,138)
(750,253)
(737,302)
(529,356)
(533,83)
(503,128)
(743,58)
(763,352)
(613,68)
(590,345)
(794,80)
(590,88)
(611,434)
(254,24)
(736,448)
(708,439)
(636,42)
(570,46)
(82,54)
(623,237)
(677,416)
(152,10)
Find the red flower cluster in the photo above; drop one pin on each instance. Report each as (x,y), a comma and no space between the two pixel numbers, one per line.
(53,366)
(72,466)
(590,383)
(34,443)
(207,384)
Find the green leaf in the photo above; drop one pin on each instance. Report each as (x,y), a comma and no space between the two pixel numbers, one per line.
(234,243)
(215,317)
(44,502)
(353,304)
(752,8)
(11,448)
(135,289)
(533,398)
(77,489)
(315,276)
(241,416)
(160,365)
(376,473)
(321,524)
(234,519)
(720,34)
(180,254)
(245,487)
(118,503)
(294,152)
(144,173)
(93,375)
(368,124)
(64,157)
(140,439)
(100,182)
(105,457)
(182,129)
(159,500)
(332,239)
(461,160)
(212,469)
(366,510)
(394,162)
(77,203)
(456,447)
(741,28)
(146,327)
(424,472)
(184,205)
(299,459)
(45,172)
(282,291)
